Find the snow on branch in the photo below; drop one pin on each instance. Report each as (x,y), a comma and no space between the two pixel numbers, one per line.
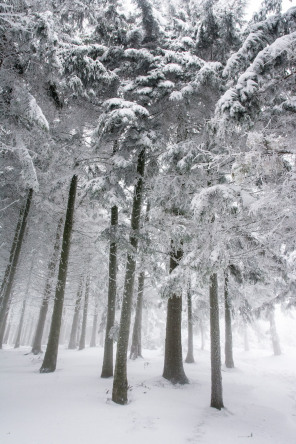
(119,114)
(262,35)
(28,169)
(233,100)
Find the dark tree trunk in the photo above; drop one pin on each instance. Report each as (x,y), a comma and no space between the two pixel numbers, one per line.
(189,358)
(36,347)
(3,328)
(136,347)
(20,326)
(13,261)
(228,328)
(84,317)
(216,376)
(107,369)
(50,357)
(173,361)
(93,341)
(273,333)
(73,335)
(120,384)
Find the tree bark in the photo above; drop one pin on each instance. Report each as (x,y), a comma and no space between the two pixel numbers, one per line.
(173,361)
(273,333)
(84,317)
(216,376)
(50,357)
(136,347)
(190,357)
(36,347)
(107,369)
(73,335)
(13,260)
(93,342)
(228,328)
(202,334)
(20,326)
(120,384)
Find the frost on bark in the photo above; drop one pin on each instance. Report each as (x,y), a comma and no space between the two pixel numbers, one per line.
(50,357)
(107,369)
(74,328)
(136,347)
(13,261)
(189,358)
(228,328)
(84,317)
(216,376)
(36,347)
(173,361)
(120,384)
(273,333)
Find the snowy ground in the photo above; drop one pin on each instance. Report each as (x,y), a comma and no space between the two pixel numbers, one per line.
(73,406)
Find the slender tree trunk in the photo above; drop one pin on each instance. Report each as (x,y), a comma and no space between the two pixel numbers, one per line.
(246,338)
(84,318)
(216,376)
(73,335)
(202,334)
(20,326)
(189,358)
(120,384)
(93,341)
(228,328)
(13,260)
(273,333)
(50,357)
(173,361)
(3,327)
(136,347)
(7,332)
(36,347)
(107,369)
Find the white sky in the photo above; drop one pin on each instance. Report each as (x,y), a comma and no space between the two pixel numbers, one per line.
(255,4)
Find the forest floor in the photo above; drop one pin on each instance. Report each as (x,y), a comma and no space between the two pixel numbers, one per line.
(73,405)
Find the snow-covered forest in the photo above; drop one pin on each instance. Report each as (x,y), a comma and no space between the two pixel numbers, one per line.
(147,215)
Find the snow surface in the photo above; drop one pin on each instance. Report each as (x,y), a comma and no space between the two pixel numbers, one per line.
(73,405)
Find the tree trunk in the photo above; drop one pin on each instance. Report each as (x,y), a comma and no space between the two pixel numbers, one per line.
(20,326)
(202,334)
(84,318)
(216,377)
(13,260)
(36,347)
(120,384)
(273,333)
(3,327)
(173,361)
(189,358)
(136,347)
(228,328)
(107,369)
(93,341)
(73,335)
(50,357)
(246,338)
